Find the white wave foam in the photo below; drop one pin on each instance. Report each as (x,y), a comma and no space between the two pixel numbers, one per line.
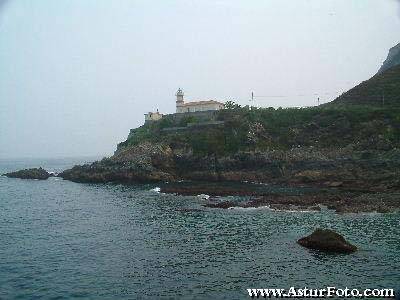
(156,189)
(274,209)
(204,196)
(249,208)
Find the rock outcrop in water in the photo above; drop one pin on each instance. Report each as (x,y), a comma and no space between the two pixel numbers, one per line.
(34,173)
(327,240)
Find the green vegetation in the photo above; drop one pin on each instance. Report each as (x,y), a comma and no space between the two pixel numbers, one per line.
(260,129)
(187,120)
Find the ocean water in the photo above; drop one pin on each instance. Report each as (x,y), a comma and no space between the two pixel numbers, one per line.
(64,240)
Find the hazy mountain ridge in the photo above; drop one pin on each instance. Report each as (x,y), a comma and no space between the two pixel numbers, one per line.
(392,60)
(383,89)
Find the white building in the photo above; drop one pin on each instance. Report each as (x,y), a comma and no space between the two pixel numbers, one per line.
(182,107)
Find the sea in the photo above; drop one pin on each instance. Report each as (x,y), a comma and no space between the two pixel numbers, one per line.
(66,240)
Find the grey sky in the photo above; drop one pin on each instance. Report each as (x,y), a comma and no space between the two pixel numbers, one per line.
(77,75)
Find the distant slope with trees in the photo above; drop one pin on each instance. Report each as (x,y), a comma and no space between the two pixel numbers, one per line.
(381,89)
(392,60)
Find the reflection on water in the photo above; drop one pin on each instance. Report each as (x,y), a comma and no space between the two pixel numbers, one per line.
(60,239)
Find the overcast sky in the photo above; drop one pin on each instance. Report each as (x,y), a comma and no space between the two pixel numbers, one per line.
(76,75)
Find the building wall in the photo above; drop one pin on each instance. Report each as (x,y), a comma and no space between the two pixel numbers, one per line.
(152,116)
(201,107)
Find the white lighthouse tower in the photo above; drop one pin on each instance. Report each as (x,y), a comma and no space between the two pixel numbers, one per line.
(179,101)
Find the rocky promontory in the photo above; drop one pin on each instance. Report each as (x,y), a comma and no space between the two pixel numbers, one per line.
(348,157)
(34,173)
(143,163)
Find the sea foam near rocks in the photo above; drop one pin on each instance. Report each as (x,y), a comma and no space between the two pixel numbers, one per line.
(156,189)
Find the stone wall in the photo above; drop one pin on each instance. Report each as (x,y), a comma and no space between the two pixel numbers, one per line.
(196,107)
(201,116)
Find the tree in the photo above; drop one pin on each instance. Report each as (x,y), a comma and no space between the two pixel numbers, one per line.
(232,105)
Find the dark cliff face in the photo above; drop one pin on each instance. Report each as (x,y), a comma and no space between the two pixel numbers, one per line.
(159,162)
(392,60)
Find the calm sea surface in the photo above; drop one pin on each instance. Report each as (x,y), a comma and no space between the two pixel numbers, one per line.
(64,240)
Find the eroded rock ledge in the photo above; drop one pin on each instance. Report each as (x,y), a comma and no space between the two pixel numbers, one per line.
(342,182)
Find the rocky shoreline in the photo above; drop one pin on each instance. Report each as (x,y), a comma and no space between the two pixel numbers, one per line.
(153,162)
(289,198)
(286,180)
(297,179)
(364,203)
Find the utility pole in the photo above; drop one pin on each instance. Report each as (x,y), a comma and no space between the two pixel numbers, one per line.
(318,101)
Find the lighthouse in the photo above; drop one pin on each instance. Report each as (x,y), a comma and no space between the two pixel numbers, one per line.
(179,100)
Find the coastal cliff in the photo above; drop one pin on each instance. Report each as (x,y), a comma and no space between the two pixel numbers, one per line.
(348,157)
(352,148)
(346,151)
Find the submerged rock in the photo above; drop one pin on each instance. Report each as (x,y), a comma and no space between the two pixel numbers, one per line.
(189,210)
(327,240)
(34,173)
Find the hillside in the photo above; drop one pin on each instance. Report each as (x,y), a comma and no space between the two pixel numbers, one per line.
(392,60)
(269,129)
(381,89)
